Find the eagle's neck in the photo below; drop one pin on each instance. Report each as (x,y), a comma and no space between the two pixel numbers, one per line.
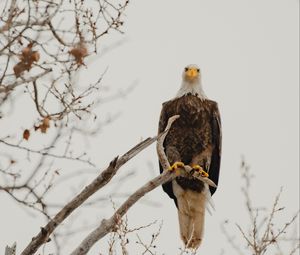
(194,88)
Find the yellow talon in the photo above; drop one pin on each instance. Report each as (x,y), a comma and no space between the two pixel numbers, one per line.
(200,170)
(197,167)
(204,174)
(175,167)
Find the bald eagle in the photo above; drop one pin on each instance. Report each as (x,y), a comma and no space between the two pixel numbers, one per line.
(195,140)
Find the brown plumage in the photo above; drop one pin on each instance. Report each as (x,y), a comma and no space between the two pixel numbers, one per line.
(195,138)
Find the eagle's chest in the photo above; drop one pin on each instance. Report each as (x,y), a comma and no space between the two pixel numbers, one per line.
(192,114)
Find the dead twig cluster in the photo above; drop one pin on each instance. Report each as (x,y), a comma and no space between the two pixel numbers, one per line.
(150,247)
(123,235)
(44,46)
(44,43)
(264,235)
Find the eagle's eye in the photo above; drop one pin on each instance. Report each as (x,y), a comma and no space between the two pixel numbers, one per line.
(186,69)
(198,70)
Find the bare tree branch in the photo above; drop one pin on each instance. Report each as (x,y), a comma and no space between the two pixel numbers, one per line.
(108,226)
(11,250)
(8,87)
(98,183)
(8,22)
(263,235)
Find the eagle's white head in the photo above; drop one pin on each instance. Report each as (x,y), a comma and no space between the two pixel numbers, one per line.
(191,82)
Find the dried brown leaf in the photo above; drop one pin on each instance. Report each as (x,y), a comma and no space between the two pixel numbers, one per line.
(26,134)
(79,53)
(27,58)
(19,69)
(44,125)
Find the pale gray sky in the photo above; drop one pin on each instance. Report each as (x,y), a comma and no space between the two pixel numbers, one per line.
(248,52)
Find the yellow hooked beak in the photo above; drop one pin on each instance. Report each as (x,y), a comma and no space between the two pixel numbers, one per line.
(191,73)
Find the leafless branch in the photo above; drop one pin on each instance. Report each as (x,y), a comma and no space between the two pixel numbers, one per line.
(89,190)
(44,45)
(264,235)
(37,37)
(107,225)
(11,250)
(150,246)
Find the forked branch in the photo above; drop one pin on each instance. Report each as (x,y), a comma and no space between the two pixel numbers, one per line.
(107,226)
(89,190)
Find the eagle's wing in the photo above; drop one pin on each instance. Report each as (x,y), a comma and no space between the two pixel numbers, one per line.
(163,120)
(214,169)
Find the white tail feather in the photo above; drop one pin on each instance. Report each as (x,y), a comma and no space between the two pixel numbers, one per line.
(210,205)
(191,214)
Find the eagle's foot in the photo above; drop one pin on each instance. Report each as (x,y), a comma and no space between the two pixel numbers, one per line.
(200,170)
(176,166)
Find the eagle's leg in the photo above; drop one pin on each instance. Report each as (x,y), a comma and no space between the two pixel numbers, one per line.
(199,169)
(174,158)
(201,162)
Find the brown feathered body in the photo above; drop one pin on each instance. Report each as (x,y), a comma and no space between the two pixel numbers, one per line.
(194,138)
